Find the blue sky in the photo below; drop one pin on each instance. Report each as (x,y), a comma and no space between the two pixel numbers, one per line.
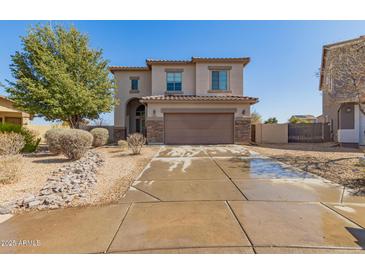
(285,55)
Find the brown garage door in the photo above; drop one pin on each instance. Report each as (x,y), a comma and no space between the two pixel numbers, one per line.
(198,128)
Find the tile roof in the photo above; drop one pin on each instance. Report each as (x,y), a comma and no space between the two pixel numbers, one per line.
(162,61)
(149,62)
(6,98)
(126,68)
(244,60)
(207,98)
(341,43)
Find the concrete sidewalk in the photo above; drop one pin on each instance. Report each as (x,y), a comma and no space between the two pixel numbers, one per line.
(203,199)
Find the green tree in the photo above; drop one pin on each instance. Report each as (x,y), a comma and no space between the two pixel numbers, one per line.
(59,77)
(271,120)
(256,118)
(296,120)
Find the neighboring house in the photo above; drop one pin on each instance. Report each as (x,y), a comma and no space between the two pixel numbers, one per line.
(306,118)
(196,101)
(322,119)
(9,114)
(346,120)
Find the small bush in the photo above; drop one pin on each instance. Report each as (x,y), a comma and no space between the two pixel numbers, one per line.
(123,144)
(101,136)
(10,167)
(52,139)
(11,143)
(74,143)
(30,137)
(31,140)
(136,142)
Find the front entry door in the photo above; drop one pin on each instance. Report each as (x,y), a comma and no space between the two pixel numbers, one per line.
(140,119)
(140,125)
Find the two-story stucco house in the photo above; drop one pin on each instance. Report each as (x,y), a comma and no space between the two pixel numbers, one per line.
(197,101)
(344,115)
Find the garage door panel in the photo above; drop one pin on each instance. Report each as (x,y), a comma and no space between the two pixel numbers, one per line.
(198,128)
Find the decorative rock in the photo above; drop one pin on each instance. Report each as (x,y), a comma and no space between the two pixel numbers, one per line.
(29,199)
(362,161)
(5,210)
(35,203)
(71,181)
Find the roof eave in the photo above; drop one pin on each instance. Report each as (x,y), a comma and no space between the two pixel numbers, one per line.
(243,60)
(116,68)
(155,100)
(323,64)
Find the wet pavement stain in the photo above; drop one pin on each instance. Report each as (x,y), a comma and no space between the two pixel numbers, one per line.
(259,168)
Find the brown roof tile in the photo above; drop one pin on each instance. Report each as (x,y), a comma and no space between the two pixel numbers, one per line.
(244,60)
(149,62)
(162,61)
(126,68)
(198,98)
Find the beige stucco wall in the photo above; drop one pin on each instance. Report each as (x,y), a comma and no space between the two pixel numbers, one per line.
(40,130)
(159,78)
(203,78)
(196,80)
(154,109)
(124,95)
(271,133)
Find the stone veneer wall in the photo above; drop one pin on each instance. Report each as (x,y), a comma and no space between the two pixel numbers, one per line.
(242,130)
(155,131)
(119,134)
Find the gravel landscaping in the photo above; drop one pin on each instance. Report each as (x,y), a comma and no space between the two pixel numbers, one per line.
(35,169)
(118,172)
(103,175)
(338,164)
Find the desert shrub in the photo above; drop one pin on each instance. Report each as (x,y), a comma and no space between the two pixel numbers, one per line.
(136,142)
(52,137)
(30,137)
(10,167)
(101,136)
(11,143)
(31,140)
(74,143)
(123,144)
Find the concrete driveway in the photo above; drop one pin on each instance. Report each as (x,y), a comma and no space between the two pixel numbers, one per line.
(204,199)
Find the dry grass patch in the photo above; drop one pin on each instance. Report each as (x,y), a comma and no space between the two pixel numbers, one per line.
(34,171)
(10,168)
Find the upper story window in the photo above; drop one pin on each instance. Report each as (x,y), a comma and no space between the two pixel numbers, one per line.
(134,84)
(174,81)
(219,79)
